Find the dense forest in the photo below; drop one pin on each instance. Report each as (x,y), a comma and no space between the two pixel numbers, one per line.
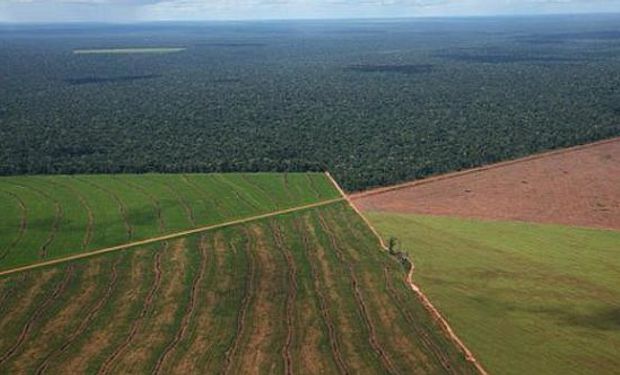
(375,102)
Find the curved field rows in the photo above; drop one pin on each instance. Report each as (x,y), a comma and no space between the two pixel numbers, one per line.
(49,217)
(302,293)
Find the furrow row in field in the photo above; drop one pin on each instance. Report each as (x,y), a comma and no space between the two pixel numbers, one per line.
(90,225)
(189,310)
(304,292)
(363,310)
(86,322)
(187,207)
(152,199)
(212,205)
(239,193)
(265,336)
(265,196)
(58,216)
(248,296)
(38,313)
(290,297)
(122,207)
(318,288)
(415,324)
(313,187)
(23,224)
(136,325)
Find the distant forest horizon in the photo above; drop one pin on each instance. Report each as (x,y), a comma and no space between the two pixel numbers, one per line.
(374,102)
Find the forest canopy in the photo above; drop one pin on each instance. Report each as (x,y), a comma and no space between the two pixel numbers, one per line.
(374,102)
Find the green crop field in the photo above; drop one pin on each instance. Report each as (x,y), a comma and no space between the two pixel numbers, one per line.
(526,298)
(305,292)
(46,217)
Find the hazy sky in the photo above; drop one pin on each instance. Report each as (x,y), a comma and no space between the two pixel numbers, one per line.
(150,10)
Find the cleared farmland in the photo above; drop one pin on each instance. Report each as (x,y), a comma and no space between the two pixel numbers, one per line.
(306,292)
(526,298)
(574,186)
(47,217)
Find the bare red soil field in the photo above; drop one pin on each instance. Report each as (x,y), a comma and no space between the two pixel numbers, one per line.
(576,186)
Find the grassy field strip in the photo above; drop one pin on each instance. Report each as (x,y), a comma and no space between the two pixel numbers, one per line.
(447,176)
(104,51)
(423,298)
(59,216)
(168,237)
(547,292)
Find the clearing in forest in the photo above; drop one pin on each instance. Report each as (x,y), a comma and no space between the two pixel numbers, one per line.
(577,186)
(119,51)
(305,292)
(51,217)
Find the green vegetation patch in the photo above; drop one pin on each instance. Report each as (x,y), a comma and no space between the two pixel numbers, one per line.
(109,51)
(526,298)
(305,292)
(47,217)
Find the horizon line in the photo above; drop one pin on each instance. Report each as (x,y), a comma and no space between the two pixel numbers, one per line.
(276,19)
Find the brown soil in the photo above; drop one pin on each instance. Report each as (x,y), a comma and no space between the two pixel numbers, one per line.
(256,351)
(137,324)
(291,295)
(25,299)
(248,296)
(318,289)
(86,321)
(38,313)
(361,304)
(188,312)
(153,334)
(577,186)
(43,342)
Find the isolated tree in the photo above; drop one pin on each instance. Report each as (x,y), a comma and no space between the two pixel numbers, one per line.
(392,243)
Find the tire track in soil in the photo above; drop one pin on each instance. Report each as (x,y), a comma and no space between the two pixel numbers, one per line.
(36,315)
(23,225)
(207,202)
(58,216)
(189,310)
(291,295)
(327,321)
(245,304)
(186,206)
(108,364)
(361,304)
(154,201)
(86,322)
(413,323)
(122,208)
